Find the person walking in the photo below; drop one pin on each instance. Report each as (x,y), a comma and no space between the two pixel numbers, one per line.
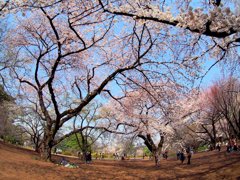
(189,155)
(182,156)
(178,155)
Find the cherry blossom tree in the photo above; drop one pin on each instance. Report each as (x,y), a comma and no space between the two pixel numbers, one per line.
(214,112)
(63,55)
(71,52)
(148,115)
(14,6)
(203,18)
(204,122)
(226,100)
(3,6)
(219,109)
(213,25)
(87,128)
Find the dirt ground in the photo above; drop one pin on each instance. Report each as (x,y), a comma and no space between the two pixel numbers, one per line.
(17,163)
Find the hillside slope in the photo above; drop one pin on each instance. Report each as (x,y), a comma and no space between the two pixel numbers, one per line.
(17,163)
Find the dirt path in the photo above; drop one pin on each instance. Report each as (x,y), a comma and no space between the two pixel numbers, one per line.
(17,163)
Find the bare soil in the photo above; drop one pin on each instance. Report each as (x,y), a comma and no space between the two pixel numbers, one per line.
(17,163)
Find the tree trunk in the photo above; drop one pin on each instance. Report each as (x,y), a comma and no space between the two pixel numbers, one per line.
(85,150)
(37,148)
(213,142)
(157,155)
(46,153)
(156,150)
(37,145)
(46,147)
(85,156)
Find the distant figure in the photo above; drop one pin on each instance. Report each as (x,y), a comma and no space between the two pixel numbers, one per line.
(210,147)
(189,155)
(88,157)
(182,156)
(63,161)
(80,155)
(234,144)
(218,146)
(178,155)
(165,155)
(228,147)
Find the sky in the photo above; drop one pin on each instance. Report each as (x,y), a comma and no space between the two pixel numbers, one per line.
(213,75)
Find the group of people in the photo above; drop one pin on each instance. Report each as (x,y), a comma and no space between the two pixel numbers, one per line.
(232,145)
(181,155)
(87,156)
(66,163)
(100,156)
(115,156)
(218,146)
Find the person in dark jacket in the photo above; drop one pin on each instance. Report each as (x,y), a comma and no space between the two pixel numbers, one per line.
(182,156)
(189,155)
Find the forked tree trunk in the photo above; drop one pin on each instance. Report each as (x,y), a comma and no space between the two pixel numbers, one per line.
(155,150)
(157,155)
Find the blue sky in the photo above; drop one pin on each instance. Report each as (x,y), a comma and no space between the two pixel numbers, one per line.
(213,75)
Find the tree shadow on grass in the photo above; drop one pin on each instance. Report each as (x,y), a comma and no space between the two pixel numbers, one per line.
(211,169)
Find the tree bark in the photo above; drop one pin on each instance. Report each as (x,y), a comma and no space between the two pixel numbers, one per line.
(157,155)
(158,151)
(46,147)
(37,148)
